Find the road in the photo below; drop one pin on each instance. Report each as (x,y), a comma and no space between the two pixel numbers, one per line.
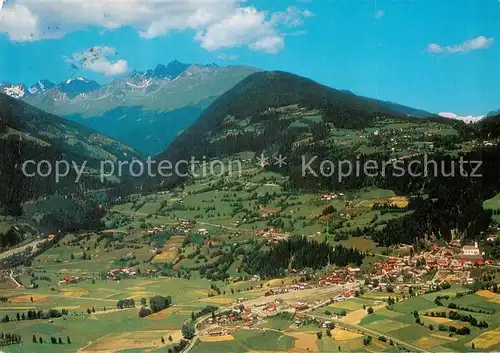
(11,276)
(33,244)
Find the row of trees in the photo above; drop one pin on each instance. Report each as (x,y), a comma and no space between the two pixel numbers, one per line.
(206,310)
(125,303)
(53,340)
(7,339)
(40,314)
(452,329)
(463,308)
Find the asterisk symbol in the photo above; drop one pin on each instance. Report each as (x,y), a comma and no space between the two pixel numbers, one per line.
(262,160)
(280,161)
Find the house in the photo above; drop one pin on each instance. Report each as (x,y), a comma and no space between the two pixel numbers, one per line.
(479,263)
(301,305)
(218,332)
(469,250)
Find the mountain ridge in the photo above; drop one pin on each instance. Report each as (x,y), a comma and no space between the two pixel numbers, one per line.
(260,99)
(155,104)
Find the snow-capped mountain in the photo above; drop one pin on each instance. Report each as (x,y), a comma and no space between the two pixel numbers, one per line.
(145,109)
(467,119)
(41,86)
(16,91)
(76,86)
(70,88)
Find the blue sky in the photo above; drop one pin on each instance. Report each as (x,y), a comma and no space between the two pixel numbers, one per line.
(441,56)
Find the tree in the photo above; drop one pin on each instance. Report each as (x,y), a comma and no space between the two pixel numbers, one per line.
(89,311)
(40,339)
(60,341)
(319,334)
(370,310)
(163,340)
(143,301)
(367,340)
(188,331)
(68,340)
(34,339)
(170,339)
(328,332)
(431,327)
(158,303)
(144,311)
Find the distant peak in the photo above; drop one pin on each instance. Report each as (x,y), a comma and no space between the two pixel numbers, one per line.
(81,79)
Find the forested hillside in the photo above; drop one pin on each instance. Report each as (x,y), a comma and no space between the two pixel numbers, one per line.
(27,133)
(277,113)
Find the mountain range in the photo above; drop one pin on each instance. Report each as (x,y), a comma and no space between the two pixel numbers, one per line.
(145,109)
(148,109)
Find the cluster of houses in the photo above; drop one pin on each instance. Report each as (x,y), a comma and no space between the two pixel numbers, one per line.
(332,196)
(341,275)
(119,273)
(287,289)
(395,266)
(155,230)
(270,234)
(447,261)
(69,280)
(185,226)
(454,257)
(226,324)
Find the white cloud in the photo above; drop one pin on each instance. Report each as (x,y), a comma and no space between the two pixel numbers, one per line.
(224,56)
(218,24)
(270,45)
(478,43)
(379,14)
(292,17)
(18,22)
(97,59)
(250,27)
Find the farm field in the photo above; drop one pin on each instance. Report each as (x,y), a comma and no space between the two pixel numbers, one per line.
(289,340)
(399,322)
(102,333)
